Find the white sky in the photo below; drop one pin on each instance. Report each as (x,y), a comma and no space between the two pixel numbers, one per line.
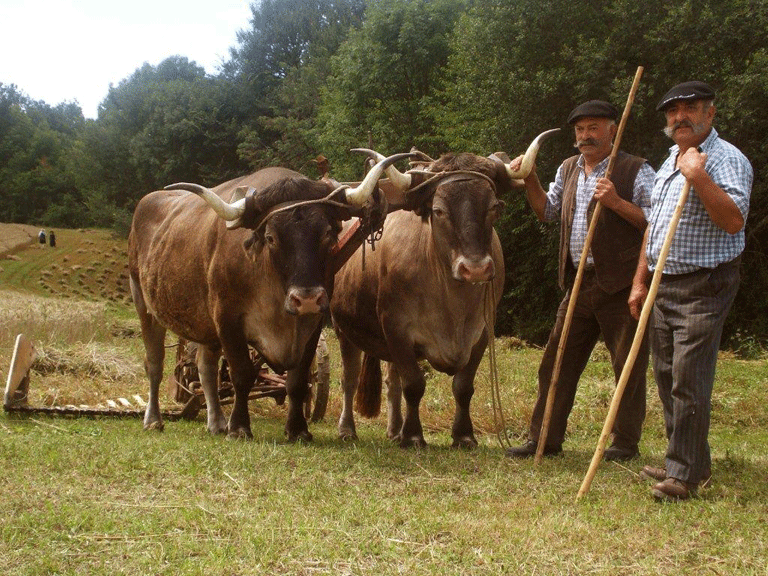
(71,50)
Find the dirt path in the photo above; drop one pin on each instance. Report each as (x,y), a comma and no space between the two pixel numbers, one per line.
(15,235)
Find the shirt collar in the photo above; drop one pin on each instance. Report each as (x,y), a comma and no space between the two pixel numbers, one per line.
(600,166)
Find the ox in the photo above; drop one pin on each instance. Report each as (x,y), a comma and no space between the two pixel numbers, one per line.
(422,292)
(252,270)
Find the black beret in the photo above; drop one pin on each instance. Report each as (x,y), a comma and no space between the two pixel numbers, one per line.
(693,90)
(593,109)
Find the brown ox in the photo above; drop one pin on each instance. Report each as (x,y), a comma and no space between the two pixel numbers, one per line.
(261,279)
(422,292)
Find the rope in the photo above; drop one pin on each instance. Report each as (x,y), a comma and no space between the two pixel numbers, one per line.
(489,313)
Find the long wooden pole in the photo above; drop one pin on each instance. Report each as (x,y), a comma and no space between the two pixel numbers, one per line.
(641,325)
(544,431)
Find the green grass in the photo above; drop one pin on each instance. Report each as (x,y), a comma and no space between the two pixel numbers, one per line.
(101,496)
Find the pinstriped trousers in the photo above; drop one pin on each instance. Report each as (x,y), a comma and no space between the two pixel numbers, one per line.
(687,323)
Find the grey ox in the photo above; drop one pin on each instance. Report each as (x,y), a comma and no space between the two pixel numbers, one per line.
(227,269)
(422,292)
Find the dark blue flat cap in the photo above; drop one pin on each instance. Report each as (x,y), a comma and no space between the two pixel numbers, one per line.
(593,109)
(693,90)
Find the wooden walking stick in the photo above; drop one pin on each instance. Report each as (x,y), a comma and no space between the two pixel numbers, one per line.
(641,325)
(544,431)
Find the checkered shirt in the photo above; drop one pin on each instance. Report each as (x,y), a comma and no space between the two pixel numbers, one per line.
(641,195)
(698,241)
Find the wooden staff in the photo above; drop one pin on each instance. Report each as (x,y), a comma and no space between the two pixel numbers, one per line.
(641,324)
(544,431)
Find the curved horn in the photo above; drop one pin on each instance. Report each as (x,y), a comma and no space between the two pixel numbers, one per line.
(229,212)
(358,196)
(400,181)
(530,156)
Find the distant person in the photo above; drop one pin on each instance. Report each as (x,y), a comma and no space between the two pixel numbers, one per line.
(601,305)
(41,237)
(52,238)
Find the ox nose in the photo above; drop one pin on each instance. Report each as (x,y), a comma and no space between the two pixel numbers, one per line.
(468,270)
(306,300)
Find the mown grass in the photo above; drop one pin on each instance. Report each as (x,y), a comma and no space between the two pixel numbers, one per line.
(100,496)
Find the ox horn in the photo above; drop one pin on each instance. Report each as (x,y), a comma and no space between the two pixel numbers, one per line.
(400,181)
(229,212)
(530,157)
(358,196)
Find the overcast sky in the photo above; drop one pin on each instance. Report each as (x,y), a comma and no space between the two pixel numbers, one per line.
(71,50)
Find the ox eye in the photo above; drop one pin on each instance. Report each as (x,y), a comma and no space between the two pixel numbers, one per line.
(270,239)
(438,213)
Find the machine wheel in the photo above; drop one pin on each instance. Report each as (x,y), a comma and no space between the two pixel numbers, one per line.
(320,380)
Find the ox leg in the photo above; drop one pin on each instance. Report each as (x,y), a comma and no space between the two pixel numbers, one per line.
(243,375)
(463,432)
(351,366)
(297,389)
(153,335)
(394,397)
(208,368)
(414,384)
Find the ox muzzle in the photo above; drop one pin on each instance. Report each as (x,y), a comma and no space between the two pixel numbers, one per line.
(301,301)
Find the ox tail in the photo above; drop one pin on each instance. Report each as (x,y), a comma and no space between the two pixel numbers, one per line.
(368,396)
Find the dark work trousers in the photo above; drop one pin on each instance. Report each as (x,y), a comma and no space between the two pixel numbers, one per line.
(596,312)
(687,323)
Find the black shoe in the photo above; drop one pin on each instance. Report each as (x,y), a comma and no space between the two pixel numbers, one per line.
(528,450)
(620,454)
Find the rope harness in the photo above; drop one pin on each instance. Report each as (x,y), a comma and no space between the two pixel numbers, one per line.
(489,313)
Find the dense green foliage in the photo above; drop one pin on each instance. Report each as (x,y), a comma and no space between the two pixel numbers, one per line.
(442,75)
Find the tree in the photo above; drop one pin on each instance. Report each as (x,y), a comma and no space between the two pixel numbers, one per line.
(382,80)
(34,140)
(278,68)
(162,125)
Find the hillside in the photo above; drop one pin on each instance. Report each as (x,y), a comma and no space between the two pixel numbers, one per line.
(88,264)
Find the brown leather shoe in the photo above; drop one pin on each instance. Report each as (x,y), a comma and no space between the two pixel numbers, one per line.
(673,490)
(655,474)
(660,474)
(528,450)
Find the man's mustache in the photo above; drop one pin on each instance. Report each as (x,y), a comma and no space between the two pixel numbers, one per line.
(586,142)
(696,128)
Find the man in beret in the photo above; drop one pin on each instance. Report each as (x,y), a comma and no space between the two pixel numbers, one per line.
(601,307)
(699,280)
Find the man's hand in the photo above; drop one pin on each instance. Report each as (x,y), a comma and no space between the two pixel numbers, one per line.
(692,164)
(637,297)
(515,165)
(605,193)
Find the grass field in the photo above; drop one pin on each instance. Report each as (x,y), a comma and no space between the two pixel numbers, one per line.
(101,496)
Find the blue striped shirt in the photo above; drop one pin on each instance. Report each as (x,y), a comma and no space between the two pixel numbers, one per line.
(641,196)
(698,241)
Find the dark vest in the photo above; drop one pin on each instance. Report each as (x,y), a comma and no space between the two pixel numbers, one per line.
(616,244)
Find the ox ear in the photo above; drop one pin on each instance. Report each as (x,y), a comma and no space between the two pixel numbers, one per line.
(419,199)
(501,176)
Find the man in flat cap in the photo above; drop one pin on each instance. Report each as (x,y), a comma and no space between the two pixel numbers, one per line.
(699,280)
(601,307)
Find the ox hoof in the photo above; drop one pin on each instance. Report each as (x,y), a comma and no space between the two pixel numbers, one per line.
(156,426)
(303,437)
(347,433)
(240,434)
(413,442)
(465,442)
